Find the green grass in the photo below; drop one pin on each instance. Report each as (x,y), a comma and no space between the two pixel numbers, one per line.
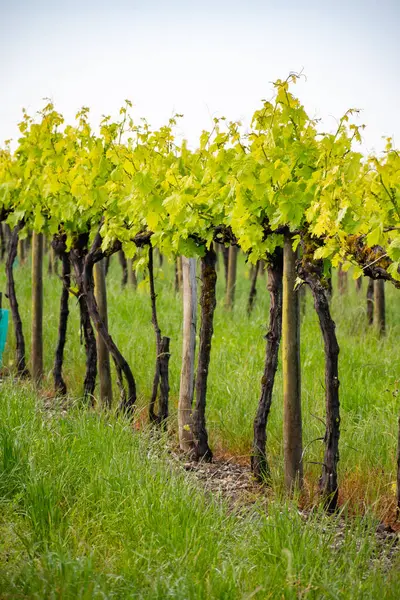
(91,509)
(369,374)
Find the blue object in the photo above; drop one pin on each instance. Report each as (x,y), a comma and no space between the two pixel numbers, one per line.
(3,332)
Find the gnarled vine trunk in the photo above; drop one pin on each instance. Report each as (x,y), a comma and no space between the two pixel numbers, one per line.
(77,261)
(207,306)
(128,400)
(312,275)
(370,301)
(259,462)
(162,356)
(186,388)
(164,381)
(102,350)
(379,307)
(12,298)
(60,386)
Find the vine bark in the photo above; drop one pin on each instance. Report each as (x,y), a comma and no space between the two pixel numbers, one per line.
(259,462)
(207,305)
(12,297)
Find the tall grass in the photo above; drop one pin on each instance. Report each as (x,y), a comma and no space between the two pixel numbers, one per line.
(369,373)
(91,509)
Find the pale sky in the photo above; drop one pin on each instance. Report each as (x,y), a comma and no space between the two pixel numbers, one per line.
(202,59)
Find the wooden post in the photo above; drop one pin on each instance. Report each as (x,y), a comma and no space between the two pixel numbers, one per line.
(103,355)
(231,283)
(52,265)
(342,280)
(37,306)
(21,252)
(186,439)
(292,425)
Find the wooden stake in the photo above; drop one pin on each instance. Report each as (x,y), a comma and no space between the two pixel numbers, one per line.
(231,283)
(292,425)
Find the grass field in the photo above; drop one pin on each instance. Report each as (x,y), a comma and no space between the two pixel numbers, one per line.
(369,374)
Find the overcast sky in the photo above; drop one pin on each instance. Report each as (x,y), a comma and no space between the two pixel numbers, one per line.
(201,59)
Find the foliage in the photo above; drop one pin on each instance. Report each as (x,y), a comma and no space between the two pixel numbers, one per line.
(249,187)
